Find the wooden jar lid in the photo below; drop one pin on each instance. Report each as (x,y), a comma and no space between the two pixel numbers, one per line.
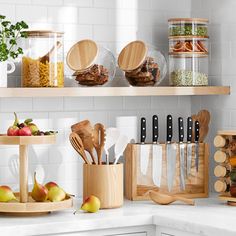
(132,55)
(43,33)
(189,20)
(219,141)
(220,156)
(82,55)
(220,171)
(220,186)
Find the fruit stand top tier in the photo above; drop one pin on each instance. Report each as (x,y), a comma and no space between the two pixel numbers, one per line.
(26,140)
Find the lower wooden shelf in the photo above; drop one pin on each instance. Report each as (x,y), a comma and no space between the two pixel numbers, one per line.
(113,91)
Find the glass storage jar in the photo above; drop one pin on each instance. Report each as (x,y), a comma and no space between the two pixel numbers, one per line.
(94,65)
(196,45)
(143,65)
(188,27)
(188,71)
(43,64)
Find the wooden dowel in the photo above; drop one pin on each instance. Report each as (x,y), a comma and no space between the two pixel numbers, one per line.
(23,150)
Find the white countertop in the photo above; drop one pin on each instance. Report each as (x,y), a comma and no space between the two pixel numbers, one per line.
(207,217)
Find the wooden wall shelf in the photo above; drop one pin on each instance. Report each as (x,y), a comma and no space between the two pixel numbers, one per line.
(113,91)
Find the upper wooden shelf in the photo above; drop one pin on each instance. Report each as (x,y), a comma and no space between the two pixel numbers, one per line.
(113,91)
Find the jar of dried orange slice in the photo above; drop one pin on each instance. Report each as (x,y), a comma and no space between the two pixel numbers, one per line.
(42,64)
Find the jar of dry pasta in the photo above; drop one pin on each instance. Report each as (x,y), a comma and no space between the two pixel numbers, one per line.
(42,64)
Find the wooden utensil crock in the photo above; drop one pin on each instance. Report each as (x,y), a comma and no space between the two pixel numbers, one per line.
(105,182)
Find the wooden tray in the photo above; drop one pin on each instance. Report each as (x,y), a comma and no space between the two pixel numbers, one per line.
(137,184)
(34,207)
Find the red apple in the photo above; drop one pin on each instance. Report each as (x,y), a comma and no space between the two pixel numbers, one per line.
(25,131)
(13,131)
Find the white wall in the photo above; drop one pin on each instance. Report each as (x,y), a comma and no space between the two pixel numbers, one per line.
(222,69)
(111,23)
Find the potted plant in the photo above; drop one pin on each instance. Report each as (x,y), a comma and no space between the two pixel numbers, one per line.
(9,36)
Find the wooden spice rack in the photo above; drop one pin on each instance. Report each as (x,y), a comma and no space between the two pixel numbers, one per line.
(26,205)
(225,142)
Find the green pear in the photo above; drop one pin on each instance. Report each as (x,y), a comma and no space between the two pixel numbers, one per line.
(39,192)
(91,204)
(33,127)
(6,194)
(56,194)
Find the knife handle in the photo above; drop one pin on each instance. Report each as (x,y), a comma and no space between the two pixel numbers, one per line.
(169,132)
(189,129)
(155,130)
(197,127)
(181,129)
(143,130)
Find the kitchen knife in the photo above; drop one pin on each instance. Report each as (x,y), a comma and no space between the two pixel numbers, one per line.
(144,150)
(170,154)
(189,144)
(156,153)
(181,153)
(197,126)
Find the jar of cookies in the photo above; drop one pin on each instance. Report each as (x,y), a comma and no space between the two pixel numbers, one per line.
(143,65)
(43,62)
(93,64)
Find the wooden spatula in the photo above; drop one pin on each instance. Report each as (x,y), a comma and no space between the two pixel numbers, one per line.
(77,144)
(85,130)
(99,140)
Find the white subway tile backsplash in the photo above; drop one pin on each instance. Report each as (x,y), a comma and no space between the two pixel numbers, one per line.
(63,14)
(47,3)
(78,32)
(105,3)
(48,104)
(37,13)
(137,103)
(16,105)
(80,3)
(113,103)
(94,16)
(78,104)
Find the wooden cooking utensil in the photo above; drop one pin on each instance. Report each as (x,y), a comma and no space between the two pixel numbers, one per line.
(203,117)
(165,199)
(85,130)
(82,55)
(99,140)
(47,56)
(132,55)
(77,144)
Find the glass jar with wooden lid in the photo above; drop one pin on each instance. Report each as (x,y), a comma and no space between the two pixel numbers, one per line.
(143,65)
(43,62)
(92,63)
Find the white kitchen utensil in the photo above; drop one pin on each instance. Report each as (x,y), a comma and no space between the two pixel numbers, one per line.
(112,135)
(120,147)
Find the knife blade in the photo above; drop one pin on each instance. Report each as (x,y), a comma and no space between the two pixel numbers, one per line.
(156,153)
(144,150)
(189,144)
(181,153)
(170,154)
(196,129)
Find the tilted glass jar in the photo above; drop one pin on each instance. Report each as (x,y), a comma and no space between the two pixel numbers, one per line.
(43,61)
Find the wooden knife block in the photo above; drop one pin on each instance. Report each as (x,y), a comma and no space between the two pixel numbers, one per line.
(137,184)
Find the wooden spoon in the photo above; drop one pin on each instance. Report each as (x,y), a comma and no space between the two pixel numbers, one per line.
(165,199)
(85,130)
(99,140)
(47,56)
(77,144)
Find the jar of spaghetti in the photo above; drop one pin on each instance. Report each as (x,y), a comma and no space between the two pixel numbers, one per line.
(42,64)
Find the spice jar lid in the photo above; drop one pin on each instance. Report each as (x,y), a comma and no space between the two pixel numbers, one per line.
(82,55)
(43,33)
(132,55)
(220,186)
(188,20)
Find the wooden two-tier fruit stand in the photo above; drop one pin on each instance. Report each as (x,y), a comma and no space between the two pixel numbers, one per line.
(25,204)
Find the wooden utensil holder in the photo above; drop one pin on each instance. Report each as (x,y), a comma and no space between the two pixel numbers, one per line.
(105,182)
(137,184)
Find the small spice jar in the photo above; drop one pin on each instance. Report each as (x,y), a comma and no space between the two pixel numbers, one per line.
(143,65)
(43,62)
(188,27)
(93,64)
